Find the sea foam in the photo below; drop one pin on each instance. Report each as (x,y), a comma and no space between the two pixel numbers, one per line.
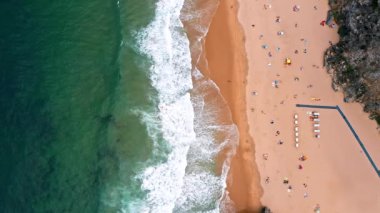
(217,135)
(165,43)
(187,117)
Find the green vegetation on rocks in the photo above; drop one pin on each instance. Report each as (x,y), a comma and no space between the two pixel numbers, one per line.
(354,62)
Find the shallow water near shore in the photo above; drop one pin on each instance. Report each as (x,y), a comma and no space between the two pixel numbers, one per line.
(104,109)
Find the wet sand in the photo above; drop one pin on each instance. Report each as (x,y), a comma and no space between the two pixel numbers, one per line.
(336,176)
(228,69)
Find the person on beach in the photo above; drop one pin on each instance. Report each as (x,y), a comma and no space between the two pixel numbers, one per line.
(303,158)
(286,180)
(265,156)
(296,8)
(317,209)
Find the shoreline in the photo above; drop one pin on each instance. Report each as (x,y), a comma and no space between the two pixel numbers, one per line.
(245,49)
(228,68)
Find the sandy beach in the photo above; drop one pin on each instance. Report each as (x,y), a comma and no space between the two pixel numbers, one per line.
(335,175)
(228,69)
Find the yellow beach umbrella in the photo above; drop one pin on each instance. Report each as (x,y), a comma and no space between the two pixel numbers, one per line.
(288,61)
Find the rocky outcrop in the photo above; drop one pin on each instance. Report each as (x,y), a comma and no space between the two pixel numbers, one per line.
(354,62)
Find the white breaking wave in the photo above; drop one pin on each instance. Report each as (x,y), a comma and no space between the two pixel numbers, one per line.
(187,180)
(216,137)
(165,42)
(204,190)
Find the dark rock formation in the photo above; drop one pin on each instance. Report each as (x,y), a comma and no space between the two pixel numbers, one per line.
(266,210)
(354,62)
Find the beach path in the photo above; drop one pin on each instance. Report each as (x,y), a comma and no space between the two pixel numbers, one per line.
(337,175)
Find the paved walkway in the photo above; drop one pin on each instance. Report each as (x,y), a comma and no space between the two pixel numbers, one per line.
(351,128)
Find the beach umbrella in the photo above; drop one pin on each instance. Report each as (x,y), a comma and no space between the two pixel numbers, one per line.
(288,61)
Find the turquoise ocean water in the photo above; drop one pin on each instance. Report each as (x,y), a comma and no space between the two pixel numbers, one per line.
(103,110)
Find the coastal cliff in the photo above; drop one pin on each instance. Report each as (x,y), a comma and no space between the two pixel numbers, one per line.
(354,62)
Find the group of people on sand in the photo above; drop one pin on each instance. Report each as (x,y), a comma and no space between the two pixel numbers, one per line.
(276,83)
